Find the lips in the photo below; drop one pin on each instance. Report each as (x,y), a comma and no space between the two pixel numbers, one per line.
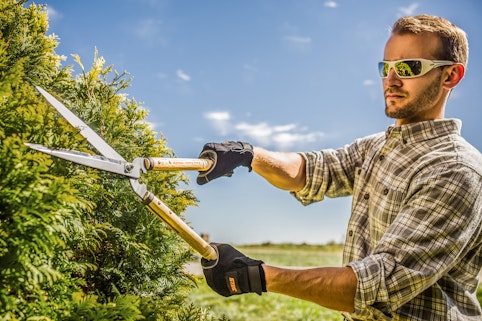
(393,95)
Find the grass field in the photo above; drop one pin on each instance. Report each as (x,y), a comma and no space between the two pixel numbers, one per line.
(272,306)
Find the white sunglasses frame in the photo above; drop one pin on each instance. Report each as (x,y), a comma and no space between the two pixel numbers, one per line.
(427,65)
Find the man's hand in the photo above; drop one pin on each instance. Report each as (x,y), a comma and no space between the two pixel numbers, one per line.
(226,157)
(233,272)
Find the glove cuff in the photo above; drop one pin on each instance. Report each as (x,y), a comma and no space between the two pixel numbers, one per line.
(263,279)
(248,151)
(257,280)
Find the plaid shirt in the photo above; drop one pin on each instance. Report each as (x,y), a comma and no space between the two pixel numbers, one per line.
(414,237)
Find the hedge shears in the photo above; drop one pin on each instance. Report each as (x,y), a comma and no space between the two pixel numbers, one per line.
(112,161)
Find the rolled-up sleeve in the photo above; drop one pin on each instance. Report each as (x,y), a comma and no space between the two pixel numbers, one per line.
(330,172)
(316,181)
(372,295)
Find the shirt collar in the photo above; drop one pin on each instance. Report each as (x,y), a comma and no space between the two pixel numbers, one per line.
(417,132)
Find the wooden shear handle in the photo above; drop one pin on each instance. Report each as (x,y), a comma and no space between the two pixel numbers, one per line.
(175,164)
(177,224)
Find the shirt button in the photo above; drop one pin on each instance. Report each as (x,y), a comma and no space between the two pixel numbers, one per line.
(350,233)
(366,196)
(381,157)
(359,171)
(385,191)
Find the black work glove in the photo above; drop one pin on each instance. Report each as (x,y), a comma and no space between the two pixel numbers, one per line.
(233,272)
(226,157)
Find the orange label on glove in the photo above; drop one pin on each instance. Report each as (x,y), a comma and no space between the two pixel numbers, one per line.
(232,282)
(232,285)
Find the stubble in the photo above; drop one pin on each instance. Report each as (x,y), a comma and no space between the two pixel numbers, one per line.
(417,106)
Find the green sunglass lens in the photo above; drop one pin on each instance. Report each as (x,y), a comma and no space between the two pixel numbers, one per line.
(408,68)
(403,68)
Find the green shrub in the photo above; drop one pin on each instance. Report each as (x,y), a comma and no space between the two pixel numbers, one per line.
(76,243)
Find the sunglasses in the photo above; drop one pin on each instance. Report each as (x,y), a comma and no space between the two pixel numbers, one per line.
(410,68)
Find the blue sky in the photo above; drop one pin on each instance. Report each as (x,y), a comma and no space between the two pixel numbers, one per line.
(290,75)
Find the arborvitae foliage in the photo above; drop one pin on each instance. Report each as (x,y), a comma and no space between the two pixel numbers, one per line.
(76,243)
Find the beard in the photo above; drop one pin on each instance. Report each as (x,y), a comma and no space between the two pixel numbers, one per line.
(420,103)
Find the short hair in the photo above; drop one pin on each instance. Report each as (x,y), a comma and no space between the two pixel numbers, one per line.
(455,46)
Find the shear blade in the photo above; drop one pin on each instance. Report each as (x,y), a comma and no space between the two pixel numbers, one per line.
(93,138)
(94,161)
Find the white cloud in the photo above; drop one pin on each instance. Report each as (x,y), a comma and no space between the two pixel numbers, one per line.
(284,128)
(299,40)
(149,30)
(368,82)
(182,75)
(177,81)
(331,4)
(53,14)
(291,36)
(287,140)
(220,120)
(281,137)
(408,11)
(218,115)
(261,132)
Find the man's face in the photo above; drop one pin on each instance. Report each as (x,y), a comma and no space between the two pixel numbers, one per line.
(414,99)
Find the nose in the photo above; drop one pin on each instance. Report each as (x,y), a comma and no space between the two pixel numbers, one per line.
(392,78)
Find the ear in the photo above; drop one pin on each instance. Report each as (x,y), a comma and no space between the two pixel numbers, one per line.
(454,75)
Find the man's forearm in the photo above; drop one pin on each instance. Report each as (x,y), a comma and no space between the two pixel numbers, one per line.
(283,170)
(331,287)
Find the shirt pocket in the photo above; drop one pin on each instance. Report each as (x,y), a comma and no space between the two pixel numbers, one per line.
(385,203)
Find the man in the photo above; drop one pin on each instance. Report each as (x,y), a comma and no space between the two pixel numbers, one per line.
(413,249)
